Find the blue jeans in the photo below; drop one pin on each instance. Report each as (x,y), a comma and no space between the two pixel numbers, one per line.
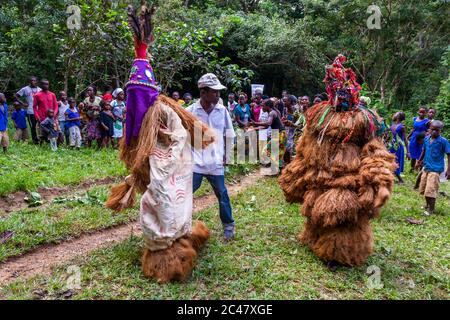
(218,185)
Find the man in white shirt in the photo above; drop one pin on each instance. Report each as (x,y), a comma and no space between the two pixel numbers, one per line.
(210,162)
(28,93)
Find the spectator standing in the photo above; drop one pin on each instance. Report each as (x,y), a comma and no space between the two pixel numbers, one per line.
(399,143)
(176,97)
(433,159)
(231,104)
(19,117)
(289,119)
(28,93)
(92,107)
(305,102)
(118,109)
(48,128)
(73,124)
(420,125)
(63,105)
(187,97)
(107,96)
(43,101)
(4,139)
(107,121)
(257,106)
(242,113)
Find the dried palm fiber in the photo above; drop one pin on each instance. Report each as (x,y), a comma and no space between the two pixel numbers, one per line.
(323,175)
(292,181)
(346,159)
(366,196)
(136,155)
(310,234)
(310,177)
(336,124)
(351,171)
(309,201)
(176,262)
(320,156)
(348,244)
(350,181)
(306,139)
(335,207)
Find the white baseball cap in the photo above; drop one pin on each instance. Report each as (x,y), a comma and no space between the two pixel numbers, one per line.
(210,80)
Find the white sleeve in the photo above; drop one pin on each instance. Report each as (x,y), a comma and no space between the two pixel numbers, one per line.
(21,92)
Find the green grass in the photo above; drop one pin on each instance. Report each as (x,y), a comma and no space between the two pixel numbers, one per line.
(73,215)
(267,262)
(27,167)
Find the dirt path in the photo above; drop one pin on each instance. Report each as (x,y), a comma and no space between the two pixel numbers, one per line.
(44,258)
(16,201)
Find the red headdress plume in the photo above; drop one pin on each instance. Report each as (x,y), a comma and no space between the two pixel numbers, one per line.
(342,88)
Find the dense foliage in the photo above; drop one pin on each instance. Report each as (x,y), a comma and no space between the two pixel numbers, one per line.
(283,44)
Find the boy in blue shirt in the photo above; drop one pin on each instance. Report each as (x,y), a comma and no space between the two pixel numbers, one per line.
(19,117)
(434,149)
(4,139)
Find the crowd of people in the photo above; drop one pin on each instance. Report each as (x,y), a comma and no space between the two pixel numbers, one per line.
(425,148)
(99,121)
(62,120)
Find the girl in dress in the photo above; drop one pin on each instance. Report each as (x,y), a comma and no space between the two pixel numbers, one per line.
(73,124)
(107,121)
(398,143)
(118,110)
(420,125)
(92,107)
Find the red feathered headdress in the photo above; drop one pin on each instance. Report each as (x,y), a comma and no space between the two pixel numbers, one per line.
(342,88)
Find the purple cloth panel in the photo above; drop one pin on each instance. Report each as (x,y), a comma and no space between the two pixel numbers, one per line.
(139,99)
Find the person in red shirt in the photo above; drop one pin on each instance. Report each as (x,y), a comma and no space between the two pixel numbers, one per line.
(108,96)
(43,101)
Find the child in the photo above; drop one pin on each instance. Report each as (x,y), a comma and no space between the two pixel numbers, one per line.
(420,138)
(187,97)
(48,128)
(420,125)
(107,120)
(399,143)
(73,124)
(4,139)
(63,105)
(434,149)
(92,108)
(19,117)
(118,110)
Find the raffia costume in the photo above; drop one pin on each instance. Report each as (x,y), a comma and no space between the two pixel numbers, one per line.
(159,135)
(342,173)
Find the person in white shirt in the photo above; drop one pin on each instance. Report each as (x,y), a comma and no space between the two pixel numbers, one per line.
(210,162)
(28,93)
